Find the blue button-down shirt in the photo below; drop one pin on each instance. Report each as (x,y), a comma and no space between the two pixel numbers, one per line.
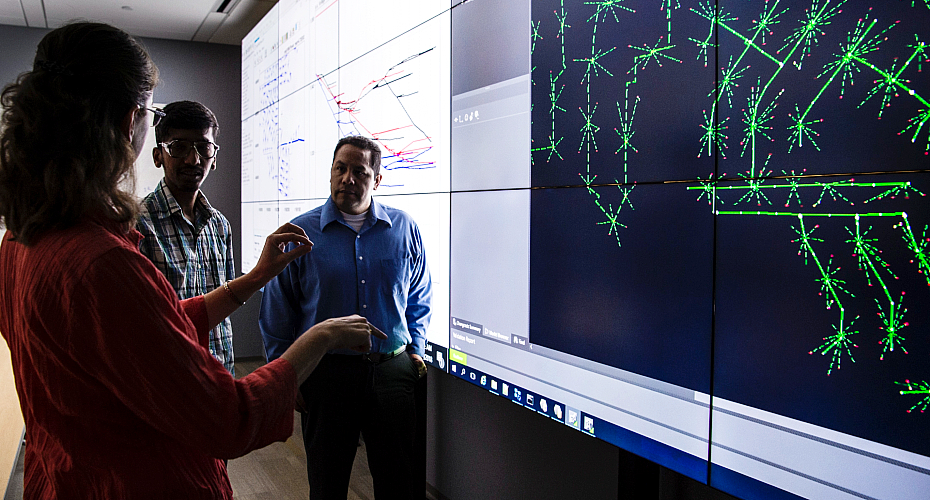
(380,273)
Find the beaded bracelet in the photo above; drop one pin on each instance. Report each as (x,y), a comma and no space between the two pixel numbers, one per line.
(231,294)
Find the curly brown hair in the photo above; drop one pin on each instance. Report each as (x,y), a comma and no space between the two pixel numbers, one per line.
(62,154)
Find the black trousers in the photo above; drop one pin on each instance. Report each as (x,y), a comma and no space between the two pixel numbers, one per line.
(347,395)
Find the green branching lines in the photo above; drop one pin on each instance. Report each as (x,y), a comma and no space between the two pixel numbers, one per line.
(870,260)
(708,11)
(554,95)
(703,46)
(921,389)
(555,92)
(755,116)
(851,59)
(863,41)
(754,189)
(599,65)
(804,240)
(829,188)
(731,74)
(555,89)
(756,120)
(625,192)
(562,18)
(917,123)
(757,33)
(713,135)
(878,273)
(919,247)
(626,128)
(626,132)
(921,52)
(794,183)
(588,129)
(839,342)
(656,53)
(868,256)
(829,283)
(593,61)
(816,19)
(894,190)
(594,64)
(892,323)
(612,216)
(767,20)
(887,85)
(890,82)
(608,7)
(854,49)
(667,6)
(535,36)
(552,147)
(800,130)
(708,188)
(613,220)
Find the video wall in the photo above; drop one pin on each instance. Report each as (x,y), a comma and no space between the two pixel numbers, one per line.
(697,230)
(309,80)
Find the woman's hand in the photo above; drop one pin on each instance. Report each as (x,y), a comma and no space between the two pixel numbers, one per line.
(349,332)
(225,299)
(275,254)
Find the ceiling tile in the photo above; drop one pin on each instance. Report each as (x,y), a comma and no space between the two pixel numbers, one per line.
(242,19)
(172,19)
(175,19)
(11,12)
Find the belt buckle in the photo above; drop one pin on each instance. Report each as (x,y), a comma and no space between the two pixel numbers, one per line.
(376,358)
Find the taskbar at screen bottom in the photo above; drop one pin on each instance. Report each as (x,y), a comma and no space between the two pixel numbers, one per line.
(654,451)
(436,356)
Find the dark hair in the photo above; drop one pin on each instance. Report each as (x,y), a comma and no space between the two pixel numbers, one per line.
(186,115)
(365,144)
(62,154)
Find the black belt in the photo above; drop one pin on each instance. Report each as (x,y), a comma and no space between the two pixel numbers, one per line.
(377,358)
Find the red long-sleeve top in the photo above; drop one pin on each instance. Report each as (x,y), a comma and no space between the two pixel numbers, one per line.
(120,396)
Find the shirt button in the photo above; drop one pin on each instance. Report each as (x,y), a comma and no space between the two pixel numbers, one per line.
(359,257)
(357,236)
(363,282)
(364,306)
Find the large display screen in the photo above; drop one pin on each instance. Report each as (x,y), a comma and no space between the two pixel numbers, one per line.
(697,230)
(312,74)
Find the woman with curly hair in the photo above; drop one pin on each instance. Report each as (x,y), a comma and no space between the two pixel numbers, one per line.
(120,396)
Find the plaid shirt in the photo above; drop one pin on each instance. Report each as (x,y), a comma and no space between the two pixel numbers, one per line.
(195,257)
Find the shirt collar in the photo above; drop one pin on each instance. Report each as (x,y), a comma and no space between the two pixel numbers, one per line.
(331,214)
(166,205)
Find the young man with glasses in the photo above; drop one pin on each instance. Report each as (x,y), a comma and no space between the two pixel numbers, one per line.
(187,239)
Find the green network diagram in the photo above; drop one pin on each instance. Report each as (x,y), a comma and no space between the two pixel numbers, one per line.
(739,127)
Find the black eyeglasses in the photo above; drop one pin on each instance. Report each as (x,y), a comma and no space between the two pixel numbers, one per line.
(180,148)
(159,114)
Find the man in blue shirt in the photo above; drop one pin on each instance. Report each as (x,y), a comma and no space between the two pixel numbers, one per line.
(367,259)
